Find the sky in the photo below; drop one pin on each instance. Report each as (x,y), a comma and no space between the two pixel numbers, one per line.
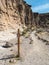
(40,6)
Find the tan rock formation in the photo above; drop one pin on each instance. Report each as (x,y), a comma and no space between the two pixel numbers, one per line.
(14,13)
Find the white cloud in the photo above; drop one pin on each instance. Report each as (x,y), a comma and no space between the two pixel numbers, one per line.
(41,7)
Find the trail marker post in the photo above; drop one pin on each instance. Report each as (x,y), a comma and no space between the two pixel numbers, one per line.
(18,42)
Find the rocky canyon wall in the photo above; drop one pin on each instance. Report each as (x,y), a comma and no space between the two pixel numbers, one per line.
(17,13)
(41,20)
(14,13)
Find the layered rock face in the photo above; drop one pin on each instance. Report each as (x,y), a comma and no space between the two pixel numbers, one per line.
(14,13)
(17,13)
(8,14)
(44,20)
(41,20)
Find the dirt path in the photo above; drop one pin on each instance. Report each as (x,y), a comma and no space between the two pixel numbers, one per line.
(36,53)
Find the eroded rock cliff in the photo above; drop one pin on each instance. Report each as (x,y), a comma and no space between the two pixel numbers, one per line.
(14,13)
(41,20)
(9,14)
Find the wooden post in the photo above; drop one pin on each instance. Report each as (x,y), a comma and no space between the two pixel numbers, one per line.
(18,43)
